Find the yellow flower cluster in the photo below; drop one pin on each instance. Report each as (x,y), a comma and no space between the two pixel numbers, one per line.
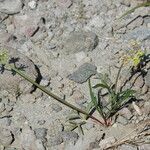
(134,56)
(3,57)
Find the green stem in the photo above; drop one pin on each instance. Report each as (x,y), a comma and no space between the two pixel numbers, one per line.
(146,4)
(117,78)
(53,95)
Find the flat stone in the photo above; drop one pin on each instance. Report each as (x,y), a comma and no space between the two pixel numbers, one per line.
(147,78)
(41,133)
(54,140)
(6,137)
(141,34)
(83,73)
(28,139)
(11,7)
(2,107)
(135,23)
(11,83)
(5,122)
(127,147)
(122,120)
(64,3)
(126,113)
(69,136)
(80,41)
(144,147)
(56,107)
(26,24)
(107,142)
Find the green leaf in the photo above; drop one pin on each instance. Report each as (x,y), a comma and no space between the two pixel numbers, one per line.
(94,99)
(90,105)
(126,95)
(101,85)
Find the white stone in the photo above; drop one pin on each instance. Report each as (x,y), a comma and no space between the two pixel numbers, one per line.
(32,4)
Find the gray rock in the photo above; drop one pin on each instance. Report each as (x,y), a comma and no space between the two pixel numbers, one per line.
(11,7)
(83,73)
(2,107)
(80,41)
(28,139)
(147,78)
(64,3)
(56,107)
(11,148)
(4,36)
(41,133)
(54,140)
(144,147)
(6,137)
(41,122)
(122,120)
(127,147)
(26,24)
(69,136)
(11,83)
(146,109)
(5,122)
(141,34)
(135,23)
(107,142)
(126,113)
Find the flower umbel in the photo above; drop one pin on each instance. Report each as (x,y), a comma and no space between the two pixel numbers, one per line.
(3,57)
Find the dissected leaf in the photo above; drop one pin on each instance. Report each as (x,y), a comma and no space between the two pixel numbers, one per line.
(3,57)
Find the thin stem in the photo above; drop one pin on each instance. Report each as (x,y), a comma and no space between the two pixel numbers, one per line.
(117,78)
(53,95)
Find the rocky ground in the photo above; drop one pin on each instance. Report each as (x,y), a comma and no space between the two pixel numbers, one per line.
(64,43)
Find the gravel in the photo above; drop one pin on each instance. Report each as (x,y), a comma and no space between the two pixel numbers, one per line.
(68,41)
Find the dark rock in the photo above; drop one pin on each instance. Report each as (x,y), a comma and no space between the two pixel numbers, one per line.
(41,133)
(69,136)
(80,41)
(141,34)
(83,73)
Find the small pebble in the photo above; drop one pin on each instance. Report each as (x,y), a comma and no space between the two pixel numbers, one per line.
(41,133)
(32,4)
(2,107)
(41,122)
(56,107)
